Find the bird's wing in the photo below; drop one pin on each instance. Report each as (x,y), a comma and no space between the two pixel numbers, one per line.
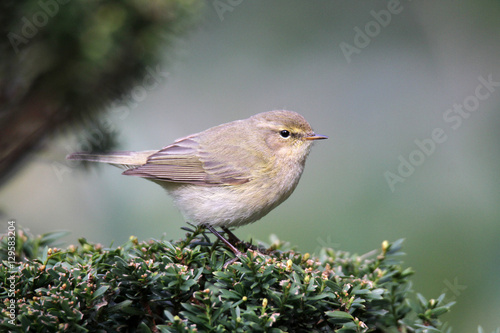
(186,161)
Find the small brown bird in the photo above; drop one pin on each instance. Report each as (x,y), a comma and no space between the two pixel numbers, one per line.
(228,175)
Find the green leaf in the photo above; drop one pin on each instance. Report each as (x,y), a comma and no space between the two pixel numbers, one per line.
(439,311)
(333,286)
(100,291)
(143,328)
(51,237)
(422,299)
(339,316)
(43,259)
(396,246)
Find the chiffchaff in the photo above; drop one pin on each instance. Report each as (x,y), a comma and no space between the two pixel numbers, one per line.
(228,175)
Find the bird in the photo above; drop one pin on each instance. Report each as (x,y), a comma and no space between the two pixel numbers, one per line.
(229,175)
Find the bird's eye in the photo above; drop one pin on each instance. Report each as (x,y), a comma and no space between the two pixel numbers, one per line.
(284,133)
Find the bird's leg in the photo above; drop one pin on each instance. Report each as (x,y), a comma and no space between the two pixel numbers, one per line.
(225,241)
(232,237)
(235,240)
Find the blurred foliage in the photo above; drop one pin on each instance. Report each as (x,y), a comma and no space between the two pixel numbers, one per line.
(28,246)
(162,286)
(64,61)
(480,330)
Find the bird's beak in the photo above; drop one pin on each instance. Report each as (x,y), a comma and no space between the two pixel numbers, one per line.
(316,137)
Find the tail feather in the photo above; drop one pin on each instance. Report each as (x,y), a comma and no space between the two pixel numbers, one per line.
(126,159)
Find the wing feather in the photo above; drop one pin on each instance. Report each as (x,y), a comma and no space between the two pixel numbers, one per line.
(185,161)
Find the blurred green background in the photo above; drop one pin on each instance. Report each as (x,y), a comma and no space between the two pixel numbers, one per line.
(394,88)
